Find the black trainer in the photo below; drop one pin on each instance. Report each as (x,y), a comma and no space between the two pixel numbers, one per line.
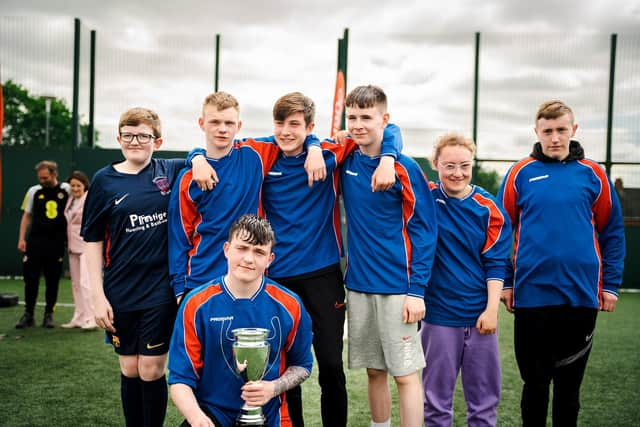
(25,321)
(47,322)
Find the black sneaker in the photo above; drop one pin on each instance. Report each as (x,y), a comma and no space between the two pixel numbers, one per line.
(25,321)
(47,322)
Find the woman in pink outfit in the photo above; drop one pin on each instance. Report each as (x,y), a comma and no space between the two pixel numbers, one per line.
(83,316)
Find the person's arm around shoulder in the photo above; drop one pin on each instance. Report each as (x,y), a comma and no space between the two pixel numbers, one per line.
(202,173)
(186,402)
(314,164)
(384,177)
(102,308)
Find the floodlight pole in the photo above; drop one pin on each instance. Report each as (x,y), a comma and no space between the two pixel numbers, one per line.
(47,109)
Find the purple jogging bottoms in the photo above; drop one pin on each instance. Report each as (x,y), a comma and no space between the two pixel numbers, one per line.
(449,350)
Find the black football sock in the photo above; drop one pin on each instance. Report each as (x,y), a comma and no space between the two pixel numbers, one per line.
(131,395)
(154,400)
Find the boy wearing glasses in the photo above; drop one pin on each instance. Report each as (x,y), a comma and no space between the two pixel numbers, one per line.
(125,227)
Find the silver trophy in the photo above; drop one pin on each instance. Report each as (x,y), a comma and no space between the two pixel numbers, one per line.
(251,354)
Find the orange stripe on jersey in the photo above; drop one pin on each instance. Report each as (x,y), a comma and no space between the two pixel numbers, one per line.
(601,208)
(342,150)
(337,223)
(596,245)
(510,201)
(285,417)
(408,207)
(495,223)
(510,194)
(432,185)
(193,346)
(267,151)
(291,305)
(107,239)
(190,218)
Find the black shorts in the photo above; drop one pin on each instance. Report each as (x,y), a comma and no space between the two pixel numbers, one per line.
(146,332)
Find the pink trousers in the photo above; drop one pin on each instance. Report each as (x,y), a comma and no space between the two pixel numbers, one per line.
(83,313)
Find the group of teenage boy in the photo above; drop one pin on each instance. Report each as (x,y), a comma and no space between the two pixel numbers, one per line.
(249,235)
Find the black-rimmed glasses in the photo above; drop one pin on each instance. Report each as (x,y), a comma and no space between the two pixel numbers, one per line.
(143,138)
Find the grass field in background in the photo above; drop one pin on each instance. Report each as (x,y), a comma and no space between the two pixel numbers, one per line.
(70,377)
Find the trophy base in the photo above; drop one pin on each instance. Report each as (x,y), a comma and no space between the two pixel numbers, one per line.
(251,416)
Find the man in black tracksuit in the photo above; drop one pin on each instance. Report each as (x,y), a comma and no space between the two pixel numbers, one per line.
(43,211)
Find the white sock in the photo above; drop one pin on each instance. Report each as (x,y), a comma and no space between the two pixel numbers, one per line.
(382,424)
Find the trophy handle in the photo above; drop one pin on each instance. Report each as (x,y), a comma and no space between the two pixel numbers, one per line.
(275,326)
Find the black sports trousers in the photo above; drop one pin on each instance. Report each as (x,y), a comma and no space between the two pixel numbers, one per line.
(552,344)
(34,263)
(323,295)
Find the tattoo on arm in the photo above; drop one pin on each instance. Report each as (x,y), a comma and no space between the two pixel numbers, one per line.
(293,376)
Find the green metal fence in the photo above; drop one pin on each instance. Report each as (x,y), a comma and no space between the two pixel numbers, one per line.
(18,175)
(487,85)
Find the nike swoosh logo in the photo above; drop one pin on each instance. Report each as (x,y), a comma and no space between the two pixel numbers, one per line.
(151,347)
(339,305)
(588,338)
(121,199)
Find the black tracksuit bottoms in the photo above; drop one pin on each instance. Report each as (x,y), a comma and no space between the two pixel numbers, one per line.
(552,343)
(323,295)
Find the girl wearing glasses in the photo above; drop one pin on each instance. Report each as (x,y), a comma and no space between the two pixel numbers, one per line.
(459,331)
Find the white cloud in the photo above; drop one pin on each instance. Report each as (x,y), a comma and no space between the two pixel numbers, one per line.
(161,55)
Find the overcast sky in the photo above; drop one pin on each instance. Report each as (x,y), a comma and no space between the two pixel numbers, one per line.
(161,55)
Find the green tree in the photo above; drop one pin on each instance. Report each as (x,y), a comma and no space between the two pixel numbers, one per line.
(487,179)
(25,119)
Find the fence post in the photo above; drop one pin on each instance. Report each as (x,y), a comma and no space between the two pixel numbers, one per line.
(612,75)
(217,76)
(343,56)
(92,87)
(76,88)
(476,80)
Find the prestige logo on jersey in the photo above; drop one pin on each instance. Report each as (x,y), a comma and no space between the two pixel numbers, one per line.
(143,221)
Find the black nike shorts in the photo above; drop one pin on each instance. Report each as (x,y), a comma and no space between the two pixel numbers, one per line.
(146,332)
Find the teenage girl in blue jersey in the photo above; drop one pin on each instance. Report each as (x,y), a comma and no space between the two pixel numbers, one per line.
(459,331)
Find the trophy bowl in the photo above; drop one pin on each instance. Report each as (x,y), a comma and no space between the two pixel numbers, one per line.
(251,355)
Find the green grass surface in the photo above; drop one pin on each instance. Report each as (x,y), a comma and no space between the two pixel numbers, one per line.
(70,377)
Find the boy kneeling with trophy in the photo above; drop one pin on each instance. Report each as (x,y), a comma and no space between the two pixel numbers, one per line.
(240,341)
